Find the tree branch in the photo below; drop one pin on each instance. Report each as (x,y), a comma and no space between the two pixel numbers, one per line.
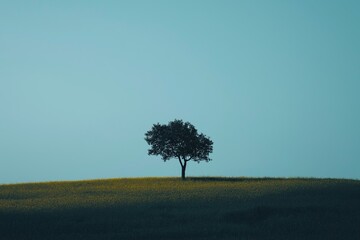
(182,165)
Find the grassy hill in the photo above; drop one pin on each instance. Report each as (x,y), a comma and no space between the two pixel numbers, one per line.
(168,208)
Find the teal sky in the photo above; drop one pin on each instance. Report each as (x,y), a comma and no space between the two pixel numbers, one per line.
(275,84)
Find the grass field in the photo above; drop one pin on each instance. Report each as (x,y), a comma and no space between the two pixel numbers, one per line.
(168,208)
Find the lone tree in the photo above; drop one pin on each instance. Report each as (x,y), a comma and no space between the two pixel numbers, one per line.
(179,140)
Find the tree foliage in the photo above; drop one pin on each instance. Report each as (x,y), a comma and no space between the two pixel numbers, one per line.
(179,140)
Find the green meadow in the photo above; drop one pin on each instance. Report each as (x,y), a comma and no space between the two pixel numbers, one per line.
(169,208)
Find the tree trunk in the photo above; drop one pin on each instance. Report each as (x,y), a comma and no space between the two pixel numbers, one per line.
(183,169)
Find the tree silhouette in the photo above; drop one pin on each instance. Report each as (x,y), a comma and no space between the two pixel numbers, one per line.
(178,140)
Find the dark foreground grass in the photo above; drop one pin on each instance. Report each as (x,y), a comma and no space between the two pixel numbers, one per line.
(168,208)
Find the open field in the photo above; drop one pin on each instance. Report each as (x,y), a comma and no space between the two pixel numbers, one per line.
(168,208)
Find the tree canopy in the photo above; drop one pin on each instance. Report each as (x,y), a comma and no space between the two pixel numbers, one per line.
(179,140)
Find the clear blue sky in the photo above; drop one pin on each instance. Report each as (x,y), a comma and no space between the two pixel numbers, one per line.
(275,84)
